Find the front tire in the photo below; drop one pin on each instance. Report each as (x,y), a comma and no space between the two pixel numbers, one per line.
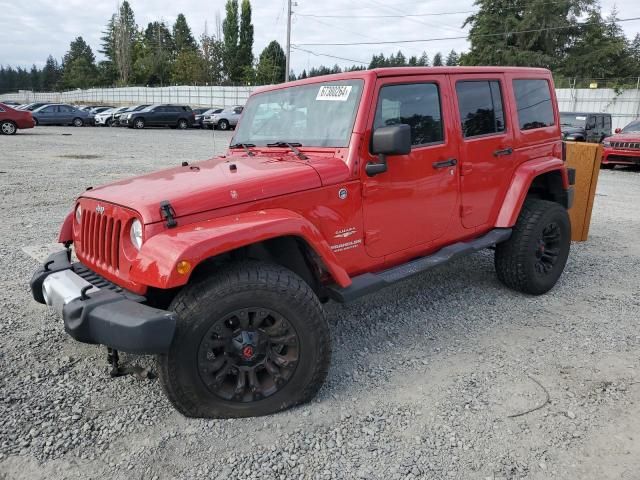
(78,122)
(8,128)
(533,259)
(223,125)
(183,124)
(138,123)
(250,341)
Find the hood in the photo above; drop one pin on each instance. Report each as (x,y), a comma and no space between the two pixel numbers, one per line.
(566,130)
(624,137)
(215,183)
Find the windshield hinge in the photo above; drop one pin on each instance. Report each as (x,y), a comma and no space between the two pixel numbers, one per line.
(168,213)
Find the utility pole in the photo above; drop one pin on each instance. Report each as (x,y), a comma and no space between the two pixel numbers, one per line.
(288,62)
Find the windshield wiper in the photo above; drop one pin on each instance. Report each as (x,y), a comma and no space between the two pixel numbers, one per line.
(292,146)
(245,147)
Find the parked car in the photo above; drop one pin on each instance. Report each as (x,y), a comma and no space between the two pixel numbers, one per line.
(107,117)
(221,267)
(11,103)
(62,114)
(623,148)
(32,106)
(119,118)
(224,120)
(201,113)
(97,110)
(207,117)
(175,116)
(585,127)
(12,119)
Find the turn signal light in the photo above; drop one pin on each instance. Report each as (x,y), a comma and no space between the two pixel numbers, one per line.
(183,267)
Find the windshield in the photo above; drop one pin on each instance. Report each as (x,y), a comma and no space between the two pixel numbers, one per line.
(573,120)
(632,127)
(319,114)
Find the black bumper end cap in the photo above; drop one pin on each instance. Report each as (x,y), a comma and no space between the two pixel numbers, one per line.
(55,262)
(107,318)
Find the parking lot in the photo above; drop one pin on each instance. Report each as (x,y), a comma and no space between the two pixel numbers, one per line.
(433,378)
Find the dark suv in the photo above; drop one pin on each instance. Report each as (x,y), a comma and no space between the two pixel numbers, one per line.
(585,127)
(174,116)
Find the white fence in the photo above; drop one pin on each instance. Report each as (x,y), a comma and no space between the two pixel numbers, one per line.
(624,105)
(188,95)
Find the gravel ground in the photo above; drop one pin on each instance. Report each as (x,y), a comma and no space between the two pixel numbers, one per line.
(425,380)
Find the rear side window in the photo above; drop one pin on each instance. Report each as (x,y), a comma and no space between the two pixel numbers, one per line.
(417,105)
(607,123)
(480,105)
(533,101)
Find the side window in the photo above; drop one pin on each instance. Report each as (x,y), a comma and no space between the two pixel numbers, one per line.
(601,121)
(1,109)
(607,123)
(533,101)
(591,123)
(238,110)
(480,105)
(417,105)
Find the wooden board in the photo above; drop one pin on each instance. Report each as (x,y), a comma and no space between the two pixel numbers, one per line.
(585,158)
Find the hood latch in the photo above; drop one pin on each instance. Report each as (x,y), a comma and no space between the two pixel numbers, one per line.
(168,213)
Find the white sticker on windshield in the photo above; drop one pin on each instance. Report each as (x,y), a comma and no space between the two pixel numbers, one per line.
(337,93)
(581,118)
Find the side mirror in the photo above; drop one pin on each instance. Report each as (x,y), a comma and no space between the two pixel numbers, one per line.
(392,140)
(617,130)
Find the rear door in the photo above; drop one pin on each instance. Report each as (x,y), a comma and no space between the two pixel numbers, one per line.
(486,145)
(413,202)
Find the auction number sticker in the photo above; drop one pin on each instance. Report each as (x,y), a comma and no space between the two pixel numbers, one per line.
(336,93)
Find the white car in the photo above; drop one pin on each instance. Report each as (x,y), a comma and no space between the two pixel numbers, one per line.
(224,120)
(105,119)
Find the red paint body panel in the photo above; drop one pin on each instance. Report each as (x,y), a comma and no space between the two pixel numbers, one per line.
(66,230)
(353,222)
(155,265)
(625,149)
(22,119)
(524,175)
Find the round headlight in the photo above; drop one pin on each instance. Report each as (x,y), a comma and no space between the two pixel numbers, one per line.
(606,143)
(78,214)
(135,233)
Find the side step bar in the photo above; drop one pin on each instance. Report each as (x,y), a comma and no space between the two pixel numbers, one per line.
(371,282)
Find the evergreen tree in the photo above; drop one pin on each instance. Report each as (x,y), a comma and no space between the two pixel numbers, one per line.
(189,67)
(423,61)
(154,55)
(79,68)
(51,74)
(182,36)
(231,31)
(549,27)
(124,37)
(272,65)
(35,80)
(245,40)
(453,59)
(107,67)
(437,60)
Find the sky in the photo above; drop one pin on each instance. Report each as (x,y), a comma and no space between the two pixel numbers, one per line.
(30,30)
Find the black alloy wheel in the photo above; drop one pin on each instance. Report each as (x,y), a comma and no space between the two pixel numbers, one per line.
(248,355)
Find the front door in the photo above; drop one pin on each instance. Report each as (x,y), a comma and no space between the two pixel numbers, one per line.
(486,146)
(414,201)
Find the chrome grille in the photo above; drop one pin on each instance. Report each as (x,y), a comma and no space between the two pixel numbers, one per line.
(629,145)
(100,238)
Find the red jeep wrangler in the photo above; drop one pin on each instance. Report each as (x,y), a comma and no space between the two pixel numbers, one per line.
(333,187)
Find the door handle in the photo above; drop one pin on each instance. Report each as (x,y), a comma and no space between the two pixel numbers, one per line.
(452,162)
(505,151)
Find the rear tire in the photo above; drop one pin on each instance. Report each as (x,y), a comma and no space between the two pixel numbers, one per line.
(7,127)
(211,371)
(533,259)
(183,124)
(223,125)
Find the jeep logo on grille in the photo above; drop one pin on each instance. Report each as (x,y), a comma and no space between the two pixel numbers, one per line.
(100,209)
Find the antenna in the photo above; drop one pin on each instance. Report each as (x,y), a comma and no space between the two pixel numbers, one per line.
(290,4)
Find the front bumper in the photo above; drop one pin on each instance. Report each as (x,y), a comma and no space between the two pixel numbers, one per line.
(620,156)
(99,312)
